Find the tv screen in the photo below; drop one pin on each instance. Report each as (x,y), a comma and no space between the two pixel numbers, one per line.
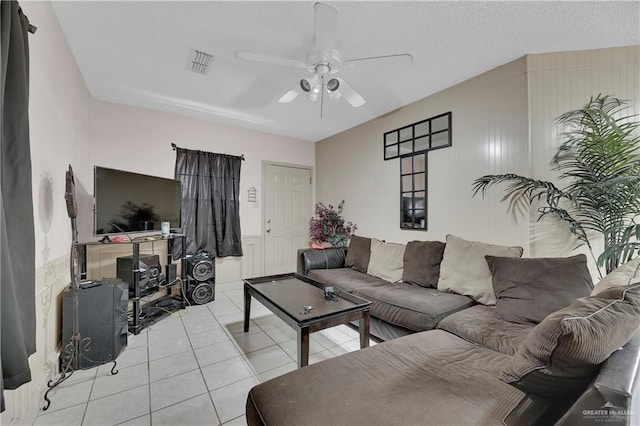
(133,202)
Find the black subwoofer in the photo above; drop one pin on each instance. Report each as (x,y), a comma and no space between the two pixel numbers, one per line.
(200,293)
(102,317)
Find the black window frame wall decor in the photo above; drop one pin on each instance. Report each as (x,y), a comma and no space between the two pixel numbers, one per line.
(413,191)
(412,144)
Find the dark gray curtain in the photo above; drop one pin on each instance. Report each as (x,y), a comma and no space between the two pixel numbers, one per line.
(210,202)
(17,288)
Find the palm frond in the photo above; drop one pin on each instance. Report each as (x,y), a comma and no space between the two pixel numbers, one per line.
(520,187)
(599,157)
(574,226)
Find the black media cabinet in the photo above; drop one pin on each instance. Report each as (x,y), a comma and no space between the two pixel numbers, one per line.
(144,314)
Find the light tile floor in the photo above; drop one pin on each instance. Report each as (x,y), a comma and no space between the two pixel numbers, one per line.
(194,367)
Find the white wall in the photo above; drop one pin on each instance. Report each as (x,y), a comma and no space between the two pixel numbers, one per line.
(503,121)
(560,82)
(139,140)
(59,127)
(490,135)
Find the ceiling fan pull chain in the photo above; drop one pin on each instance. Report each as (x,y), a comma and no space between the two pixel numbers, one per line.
(322,98)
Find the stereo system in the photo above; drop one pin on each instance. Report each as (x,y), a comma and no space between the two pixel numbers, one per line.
(201,278)
(149,266)
(102,317)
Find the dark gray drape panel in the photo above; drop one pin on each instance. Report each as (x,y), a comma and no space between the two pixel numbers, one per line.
(17,288)
(210,203)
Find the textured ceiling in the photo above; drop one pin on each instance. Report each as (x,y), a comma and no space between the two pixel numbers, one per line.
(135,52)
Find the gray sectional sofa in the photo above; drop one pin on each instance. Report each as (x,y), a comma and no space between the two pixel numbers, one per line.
(536,349)
(397,309)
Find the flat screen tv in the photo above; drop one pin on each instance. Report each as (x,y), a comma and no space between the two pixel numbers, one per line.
(133,202)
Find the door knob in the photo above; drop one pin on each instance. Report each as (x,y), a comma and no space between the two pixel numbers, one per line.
(268,230)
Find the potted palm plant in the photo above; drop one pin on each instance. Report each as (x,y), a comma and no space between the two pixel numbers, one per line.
(599,158)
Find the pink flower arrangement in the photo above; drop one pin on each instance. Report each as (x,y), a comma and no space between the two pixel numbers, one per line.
(329,226)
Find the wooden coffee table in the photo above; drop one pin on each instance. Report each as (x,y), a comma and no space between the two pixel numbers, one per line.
(286,296)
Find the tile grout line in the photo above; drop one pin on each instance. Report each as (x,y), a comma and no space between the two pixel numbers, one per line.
(215,410)
(149,376)
(239,350)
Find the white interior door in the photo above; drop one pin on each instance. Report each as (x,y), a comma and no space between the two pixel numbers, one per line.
(287,210)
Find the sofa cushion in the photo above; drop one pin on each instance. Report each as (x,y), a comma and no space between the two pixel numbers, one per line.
(464,269)
(386,260)
(358,253)
(413,307)
(563,353)
(421,263)
(425,378)
(345,279)
(527,290)
(624,274)
(479,324)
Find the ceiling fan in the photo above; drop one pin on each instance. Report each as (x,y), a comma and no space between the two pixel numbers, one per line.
(324,62)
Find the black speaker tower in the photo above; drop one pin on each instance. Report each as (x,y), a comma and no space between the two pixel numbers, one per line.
(201,278)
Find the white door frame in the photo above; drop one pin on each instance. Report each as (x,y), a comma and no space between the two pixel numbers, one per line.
(312,198)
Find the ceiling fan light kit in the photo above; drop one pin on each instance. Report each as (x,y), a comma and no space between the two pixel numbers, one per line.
(324,62)
(332,85)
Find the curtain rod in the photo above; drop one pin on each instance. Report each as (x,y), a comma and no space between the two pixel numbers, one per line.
(174,147)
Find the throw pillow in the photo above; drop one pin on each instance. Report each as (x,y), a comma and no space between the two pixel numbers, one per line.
(358,254)
(422,263)
(562,354)
(464,269)
(622,275)
(386,260)
(527,290)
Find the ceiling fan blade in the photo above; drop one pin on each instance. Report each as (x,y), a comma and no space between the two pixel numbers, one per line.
(350,94)
(291,94)
(326,20)
(376,62)
(268,59)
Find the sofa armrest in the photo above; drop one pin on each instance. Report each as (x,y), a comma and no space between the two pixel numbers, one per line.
(329,258)
(617,385)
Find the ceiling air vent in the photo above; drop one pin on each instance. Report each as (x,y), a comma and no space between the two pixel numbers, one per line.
(199,61)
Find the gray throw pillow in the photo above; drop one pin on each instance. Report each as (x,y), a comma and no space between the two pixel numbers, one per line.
(422,263)
(562,354)
(527,290)
(358,254)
